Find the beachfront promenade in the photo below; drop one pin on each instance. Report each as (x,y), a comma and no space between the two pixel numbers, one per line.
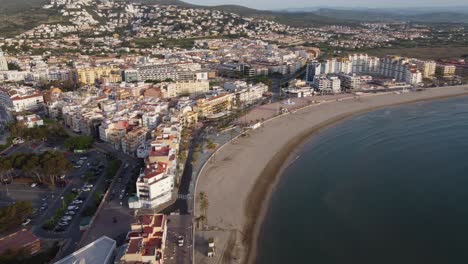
(239,180)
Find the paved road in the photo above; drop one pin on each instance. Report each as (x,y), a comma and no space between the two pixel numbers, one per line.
(104,223)
(178,226)
(72,233)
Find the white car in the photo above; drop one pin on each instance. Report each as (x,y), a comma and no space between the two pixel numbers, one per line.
(72,207)
(66,218)
(63,223)
(77,202)
(85,189)
(89,186)
(180,241)
(70,213)
(17,141)
(26,222)
(33,185)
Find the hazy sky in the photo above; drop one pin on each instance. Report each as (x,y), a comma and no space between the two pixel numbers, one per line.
(277,4)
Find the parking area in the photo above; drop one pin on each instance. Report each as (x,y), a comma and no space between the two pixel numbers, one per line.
(74,190)
(86,185)
(179,246)
(39,196)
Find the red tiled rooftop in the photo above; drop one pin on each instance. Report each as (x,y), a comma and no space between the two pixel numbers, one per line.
(146,219)
(134,245)
(18,97)
(158,221)
(164,151)
(152,172)
(151,247)
(148,229)
(17,240)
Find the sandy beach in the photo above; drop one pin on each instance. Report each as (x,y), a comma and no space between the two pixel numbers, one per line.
(239,179)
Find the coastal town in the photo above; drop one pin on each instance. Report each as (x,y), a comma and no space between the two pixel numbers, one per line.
(138,133)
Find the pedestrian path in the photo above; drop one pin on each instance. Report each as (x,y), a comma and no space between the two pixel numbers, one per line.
(184,196)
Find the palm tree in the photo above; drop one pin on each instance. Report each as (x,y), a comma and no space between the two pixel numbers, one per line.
(204,206)
(199,219)
(201,196)
(203,200)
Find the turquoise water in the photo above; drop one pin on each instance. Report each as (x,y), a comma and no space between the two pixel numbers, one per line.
(389,186)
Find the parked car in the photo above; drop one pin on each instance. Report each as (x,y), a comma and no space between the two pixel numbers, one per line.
(17,140)
(66,218)
(72,207)
(180,241)
(59,229)
(26,222)
(70,213)
(77,201)
(63,223)
(33,185)
(86,189)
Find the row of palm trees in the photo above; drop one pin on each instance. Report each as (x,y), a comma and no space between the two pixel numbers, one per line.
(203,204)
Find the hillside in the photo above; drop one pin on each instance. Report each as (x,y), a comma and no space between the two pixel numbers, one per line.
(15,6)
(389,15)
(287,18)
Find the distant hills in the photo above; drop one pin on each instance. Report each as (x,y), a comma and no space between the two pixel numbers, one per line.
(19,15)
(14,6)
(427,16)
(320,16)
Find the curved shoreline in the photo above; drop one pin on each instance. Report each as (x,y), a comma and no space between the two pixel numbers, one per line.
(240,187)
(256,212)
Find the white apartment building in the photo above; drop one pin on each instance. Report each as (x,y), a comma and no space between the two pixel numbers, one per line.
(363,63)
(3,62)
(175,72)
(154,185)
(21,98)
(31,120)
(329,84)
(171,90)
(427,68)
(400,69)
(250,94)
(14,76)
(150,119)
(353,81)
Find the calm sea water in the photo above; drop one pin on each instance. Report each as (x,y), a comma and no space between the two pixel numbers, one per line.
(389,186)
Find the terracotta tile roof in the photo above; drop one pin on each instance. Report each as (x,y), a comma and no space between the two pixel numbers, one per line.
(17,240)
(134,245)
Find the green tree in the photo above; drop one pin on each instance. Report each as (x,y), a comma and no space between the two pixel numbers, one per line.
(210,144)
(203,203)
(11,216)
(79,143)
